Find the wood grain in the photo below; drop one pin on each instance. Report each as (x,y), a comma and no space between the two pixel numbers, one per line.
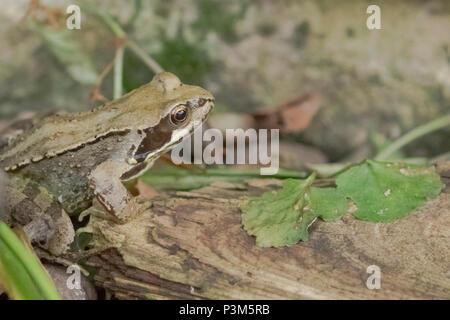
(190,245)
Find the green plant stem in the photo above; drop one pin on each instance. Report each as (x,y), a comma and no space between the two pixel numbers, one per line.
(224,172)
(118,31)
(118,72)
(149,61)
(113,25)
(412,135)
(137,9)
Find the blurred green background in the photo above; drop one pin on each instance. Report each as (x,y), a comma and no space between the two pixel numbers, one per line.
(252,54)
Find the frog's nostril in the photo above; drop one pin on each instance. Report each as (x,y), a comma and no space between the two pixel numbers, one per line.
(201,102)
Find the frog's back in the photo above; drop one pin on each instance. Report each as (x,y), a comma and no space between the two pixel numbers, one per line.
(62,132)
(59,133)
(9,133)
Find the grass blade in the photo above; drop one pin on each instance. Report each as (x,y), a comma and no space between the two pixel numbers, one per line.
(21,273)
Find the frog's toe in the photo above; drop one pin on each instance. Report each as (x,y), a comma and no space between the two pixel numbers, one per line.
(64,233)
(144,202)
(40,230)
(135,207)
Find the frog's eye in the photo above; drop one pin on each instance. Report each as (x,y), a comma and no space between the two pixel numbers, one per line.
(179,114)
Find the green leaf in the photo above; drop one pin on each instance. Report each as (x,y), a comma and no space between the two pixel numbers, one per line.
(283,217)
(275,216)
(21,273)
(328,203)
(384,191)
(14,277)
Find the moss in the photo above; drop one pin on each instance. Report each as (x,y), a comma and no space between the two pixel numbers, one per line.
(301,34)
(215,15)
(190,62)
(375,79)
(350,32)
(136,73)
(446,52)
(266,29)
(436,95)
(162,8)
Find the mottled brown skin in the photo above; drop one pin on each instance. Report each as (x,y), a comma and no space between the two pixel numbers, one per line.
(75,162)
(66,176)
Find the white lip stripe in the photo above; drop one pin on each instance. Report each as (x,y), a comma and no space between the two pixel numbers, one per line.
(179,134)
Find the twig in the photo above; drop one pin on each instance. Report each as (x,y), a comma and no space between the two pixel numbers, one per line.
(96,92)
(105,72)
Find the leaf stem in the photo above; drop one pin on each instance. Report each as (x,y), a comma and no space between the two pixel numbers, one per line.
(412,135)
(308,182)
(113,25)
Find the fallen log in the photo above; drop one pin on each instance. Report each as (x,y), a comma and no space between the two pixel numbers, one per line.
(190,245)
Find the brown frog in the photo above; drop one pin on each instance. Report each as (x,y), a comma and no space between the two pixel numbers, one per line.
(68,163)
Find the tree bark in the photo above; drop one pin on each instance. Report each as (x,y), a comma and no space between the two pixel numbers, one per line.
(190,245)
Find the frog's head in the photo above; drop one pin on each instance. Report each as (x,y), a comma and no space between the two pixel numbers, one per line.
(179,108)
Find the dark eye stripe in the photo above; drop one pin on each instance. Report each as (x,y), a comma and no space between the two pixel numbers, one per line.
(155,138)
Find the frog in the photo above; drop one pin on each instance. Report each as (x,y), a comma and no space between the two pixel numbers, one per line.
(69,164)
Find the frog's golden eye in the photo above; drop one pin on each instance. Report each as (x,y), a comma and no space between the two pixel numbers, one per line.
(179,114)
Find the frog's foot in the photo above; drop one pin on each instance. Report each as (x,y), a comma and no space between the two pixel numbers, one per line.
(135,206)
(97,210)
(40,230)
(52,231)
(143,202)
(64,231)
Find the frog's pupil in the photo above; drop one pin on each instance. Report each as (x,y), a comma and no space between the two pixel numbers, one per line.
(180,115)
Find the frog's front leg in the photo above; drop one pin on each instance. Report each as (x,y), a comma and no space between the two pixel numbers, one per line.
(109,190)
